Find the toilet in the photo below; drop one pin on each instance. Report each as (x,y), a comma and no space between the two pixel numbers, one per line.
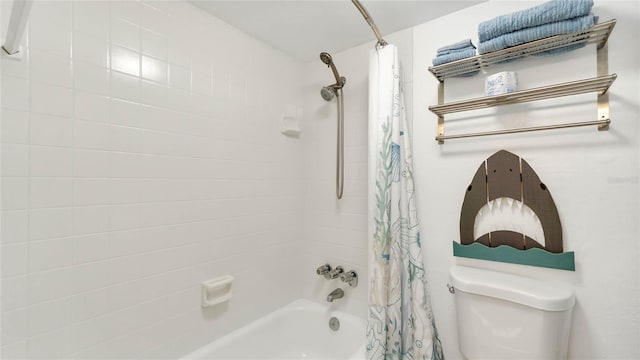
(504,316)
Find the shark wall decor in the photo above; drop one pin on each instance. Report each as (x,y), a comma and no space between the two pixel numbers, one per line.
(505,180)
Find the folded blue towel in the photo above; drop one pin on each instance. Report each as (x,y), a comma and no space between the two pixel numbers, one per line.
(459,46)
(537,33)
(447,52)
(549,12)
(454,56)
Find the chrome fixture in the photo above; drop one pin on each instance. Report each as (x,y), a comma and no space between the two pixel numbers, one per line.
(323,270)
(370,21)
(333,274)
(334,324)
(328,93)
(599,123)
(340,80)
(451,288)
(350,277)
(335,294)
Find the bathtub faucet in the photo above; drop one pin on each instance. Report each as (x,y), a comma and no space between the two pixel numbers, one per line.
(335,294)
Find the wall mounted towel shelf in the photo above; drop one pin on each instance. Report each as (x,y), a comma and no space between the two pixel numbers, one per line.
(597,34)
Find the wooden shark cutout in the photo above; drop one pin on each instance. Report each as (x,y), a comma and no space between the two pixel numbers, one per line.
(506,175)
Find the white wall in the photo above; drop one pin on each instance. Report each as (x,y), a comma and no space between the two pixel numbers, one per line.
(141,154)
(335,231)
(593,176)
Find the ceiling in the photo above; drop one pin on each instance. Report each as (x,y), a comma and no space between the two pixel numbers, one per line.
(304,28)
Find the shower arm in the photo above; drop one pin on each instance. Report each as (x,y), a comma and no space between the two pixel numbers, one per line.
(370,21)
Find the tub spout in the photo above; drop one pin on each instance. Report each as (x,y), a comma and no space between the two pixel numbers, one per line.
(335,294)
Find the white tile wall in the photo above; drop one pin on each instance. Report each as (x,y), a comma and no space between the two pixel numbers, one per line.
(136,164)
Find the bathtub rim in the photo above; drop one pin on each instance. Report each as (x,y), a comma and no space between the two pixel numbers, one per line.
(298,304)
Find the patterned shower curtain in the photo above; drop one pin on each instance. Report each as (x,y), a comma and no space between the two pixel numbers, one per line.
(401,323)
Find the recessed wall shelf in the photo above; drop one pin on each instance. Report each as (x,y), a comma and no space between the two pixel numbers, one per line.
(597,34)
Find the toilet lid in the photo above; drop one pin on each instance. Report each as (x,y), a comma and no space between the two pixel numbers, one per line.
(539,294)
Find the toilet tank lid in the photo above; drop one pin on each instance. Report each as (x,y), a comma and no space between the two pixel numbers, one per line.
(535,293)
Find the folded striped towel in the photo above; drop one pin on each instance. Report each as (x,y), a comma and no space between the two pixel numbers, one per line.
(537,33)
(549,12)
(455,47)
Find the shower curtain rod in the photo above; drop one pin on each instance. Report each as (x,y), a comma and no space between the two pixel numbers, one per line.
(17,24)
(370,21)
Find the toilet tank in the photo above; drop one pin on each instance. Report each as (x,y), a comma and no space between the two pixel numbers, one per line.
(505,316)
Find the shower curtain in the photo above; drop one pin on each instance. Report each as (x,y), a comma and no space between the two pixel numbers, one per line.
(400,323)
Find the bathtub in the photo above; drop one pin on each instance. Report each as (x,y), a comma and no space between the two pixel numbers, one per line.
(299,330)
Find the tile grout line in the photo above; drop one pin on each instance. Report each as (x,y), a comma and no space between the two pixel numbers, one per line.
(68,320)
(29,290)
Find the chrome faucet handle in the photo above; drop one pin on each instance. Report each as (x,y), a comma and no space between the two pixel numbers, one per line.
(350,277)
(323,270)
(334,273)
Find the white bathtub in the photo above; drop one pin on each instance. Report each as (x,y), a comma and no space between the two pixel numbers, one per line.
(299,330)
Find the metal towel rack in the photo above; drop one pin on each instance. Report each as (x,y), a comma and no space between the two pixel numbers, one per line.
(599,84)
(597,34)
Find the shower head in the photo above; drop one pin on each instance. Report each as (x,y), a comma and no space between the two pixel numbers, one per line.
(327,93)
(326,58)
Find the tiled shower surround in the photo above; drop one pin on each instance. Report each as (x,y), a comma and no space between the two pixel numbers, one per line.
(141,155)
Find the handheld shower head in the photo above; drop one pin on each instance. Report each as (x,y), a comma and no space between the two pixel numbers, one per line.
(326,58)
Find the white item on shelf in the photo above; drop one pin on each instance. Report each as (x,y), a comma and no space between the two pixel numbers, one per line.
(501,83)
(216,291)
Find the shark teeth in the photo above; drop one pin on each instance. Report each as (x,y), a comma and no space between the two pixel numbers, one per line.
(508,214)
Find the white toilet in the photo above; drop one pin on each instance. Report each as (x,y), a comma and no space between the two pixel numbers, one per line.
(504,316)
